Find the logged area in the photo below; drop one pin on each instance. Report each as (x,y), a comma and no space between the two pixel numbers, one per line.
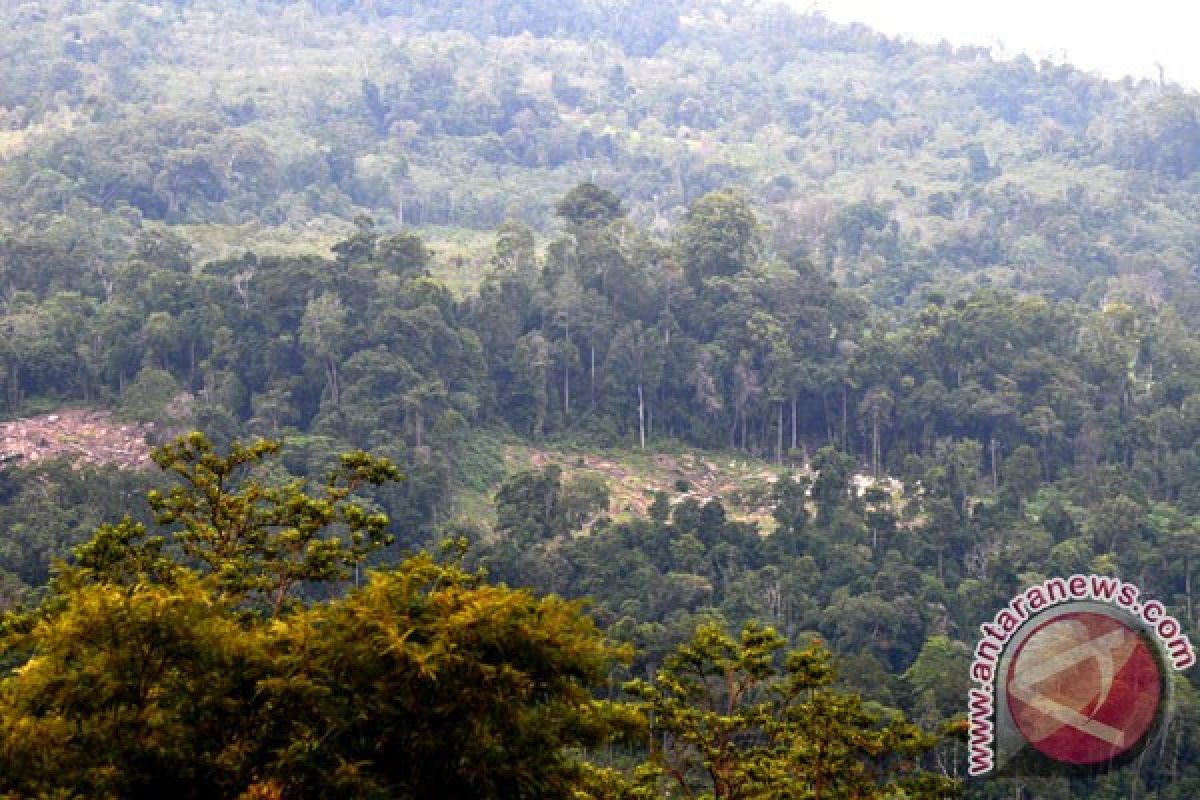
(80,437)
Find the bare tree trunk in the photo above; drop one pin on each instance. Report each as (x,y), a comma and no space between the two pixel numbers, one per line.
(779,436)
(828,421)
(1187,585)
(794,422)
(845,418)
(875,442)
(335,389)
(995,475)
(641,417)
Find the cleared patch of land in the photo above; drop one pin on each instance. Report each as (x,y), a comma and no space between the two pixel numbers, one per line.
(81,436)
(742,484)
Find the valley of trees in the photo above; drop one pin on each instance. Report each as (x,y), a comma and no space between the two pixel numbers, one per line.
(948,301)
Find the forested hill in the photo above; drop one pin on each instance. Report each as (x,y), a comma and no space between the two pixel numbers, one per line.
(938,311)
(272,125)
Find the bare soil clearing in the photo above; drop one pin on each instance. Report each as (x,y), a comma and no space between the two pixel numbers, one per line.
(741,484)
(81,436)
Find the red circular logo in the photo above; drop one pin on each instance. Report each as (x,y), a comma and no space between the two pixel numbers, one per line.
(1084,688)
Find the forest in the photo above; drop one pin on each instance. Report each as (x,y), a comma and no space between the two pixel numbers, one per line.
(344,260)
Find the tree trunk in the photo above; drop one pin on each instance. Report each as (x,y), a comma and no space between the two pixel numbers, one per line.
(1187,585)
(779,436)
(641,417)
(793,422)
(828,421)
(995,475)
(875,442)
(593,386)
(845,417)
(334,389)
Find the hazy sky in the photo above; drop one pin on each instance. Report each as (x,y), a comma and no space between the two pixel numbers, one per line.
(1113,37)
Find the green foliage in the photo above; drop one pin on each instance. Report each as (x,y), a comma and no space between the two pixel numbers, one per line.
(588,204)
(529,505)
(718,236)
(426,682)
(261,540)
(142,675)
(728,723)
(831,487)
(925,273)
(132,692)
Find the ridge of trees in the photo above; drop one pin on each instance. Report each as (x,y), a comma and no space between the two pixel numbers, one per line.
(901,167)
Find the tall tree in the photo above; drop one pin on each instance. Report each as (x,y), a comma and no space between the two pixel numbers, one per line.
(718,236)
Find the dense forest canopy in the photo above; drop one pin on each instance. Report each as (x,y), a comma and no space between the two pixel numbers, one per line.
(895,165)
(946,304)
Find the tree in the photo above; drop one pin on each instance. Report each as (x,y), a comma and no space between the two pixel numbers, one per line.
(148,670)
(529,505)
(831,487)
(718,236)
(138,691)
(516,249)
(875,409)
(789,497)
(323,332)
(404,254)
(635,362)
(588,204)
(939,676)
(259,542)
(1023,472)
(728,723)
(566,307)
(531,363)
(1115,524)
(429,683)
(583,496)
(148,396)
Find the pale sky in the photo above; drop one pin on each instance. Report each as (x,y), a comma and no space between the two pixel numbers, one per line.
(1112,37)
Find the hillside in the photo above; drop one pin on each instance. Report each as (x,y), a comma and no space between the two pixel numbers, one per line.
(270,126)
(620,302)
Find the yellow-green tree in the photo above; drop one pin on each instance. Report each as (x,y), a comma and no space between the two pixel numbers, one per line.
(735,719)
(182,665)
